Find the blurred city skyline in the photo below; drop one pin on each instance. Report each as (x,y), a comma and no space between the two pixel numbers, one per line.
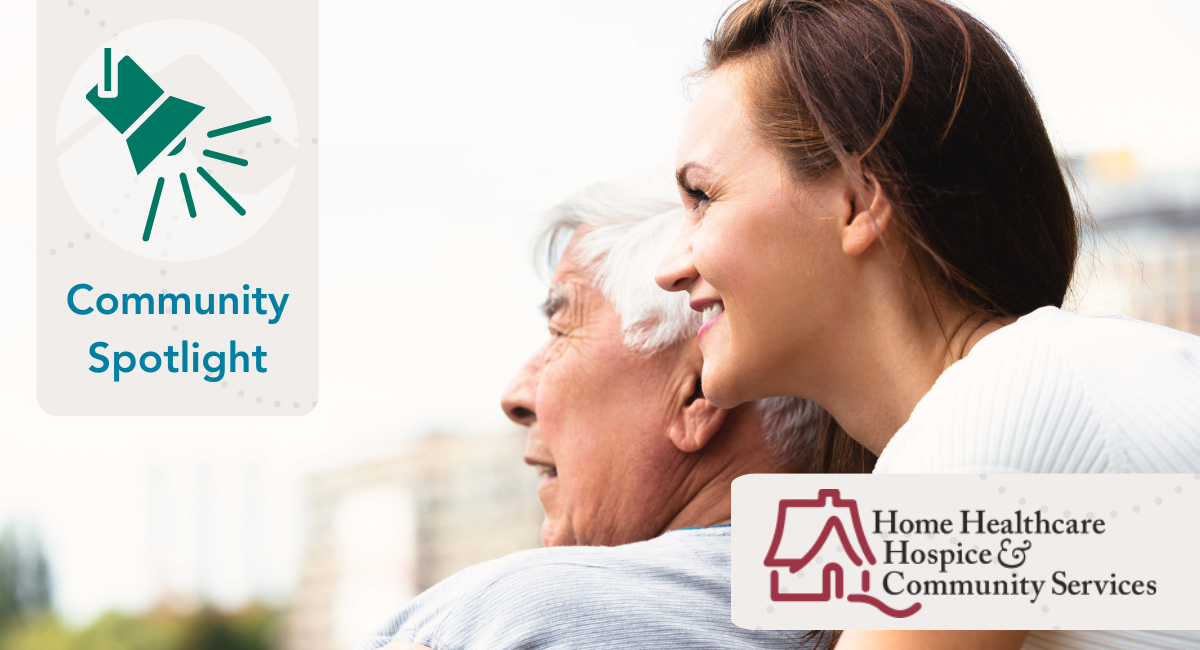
(439,149)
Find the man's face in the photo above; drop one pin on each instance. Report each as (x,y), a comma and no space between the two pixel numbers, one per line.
(598,415)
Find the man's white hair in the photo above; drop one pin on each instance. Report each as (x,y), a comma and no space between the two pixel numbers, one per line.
(630,228)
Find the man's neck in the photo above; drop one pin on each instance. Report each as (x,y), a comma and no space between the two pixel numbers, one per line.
(740,448)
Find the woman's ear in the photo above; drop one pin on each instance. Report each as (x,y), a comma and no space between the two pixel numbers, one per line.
(870,214)
(697,424)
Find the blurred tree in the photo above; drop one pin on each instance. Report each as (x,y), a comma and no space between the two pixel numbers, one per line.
(251,628)
(41,633)
(27,622)
(117,631)
(24,576)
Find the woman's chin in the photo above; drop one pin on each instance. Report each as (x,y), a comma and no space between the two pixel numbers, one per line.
(717,389)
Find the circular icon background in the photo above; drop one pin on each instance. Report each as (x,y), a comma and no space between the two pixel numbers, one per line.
(225,171)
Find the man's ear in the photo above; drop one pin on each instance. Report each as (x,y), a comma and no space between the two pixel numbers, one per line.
(698,422)
(869,216)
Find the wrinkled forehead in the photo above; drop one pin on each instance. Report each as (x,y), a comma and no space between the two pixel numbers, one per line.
(568,265)
(572,287)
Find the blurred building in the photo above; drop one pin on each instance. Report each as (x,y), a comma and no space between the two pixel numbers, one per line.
(382,532)
(1143,260)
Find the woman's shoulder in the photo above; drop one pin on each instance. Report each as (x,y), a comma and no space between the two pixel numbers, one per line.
(1079,331)
(1057,392)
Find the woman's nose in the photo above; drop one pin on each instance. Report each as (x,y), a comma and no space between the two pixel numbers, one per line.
(676,272)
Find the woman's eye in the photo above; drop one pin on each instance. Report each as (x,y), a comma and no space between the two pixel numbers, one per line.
(697,196)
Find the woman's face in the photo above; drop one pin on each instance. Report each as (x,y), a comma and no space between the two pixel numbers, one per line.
(756,244)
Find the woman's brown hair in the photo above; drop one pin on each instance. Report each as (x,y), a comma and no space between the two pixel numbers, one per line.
(927,101)
(835,452)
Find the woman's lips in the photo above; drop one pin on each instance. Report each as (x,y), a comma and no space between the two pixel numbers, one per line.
(711,320)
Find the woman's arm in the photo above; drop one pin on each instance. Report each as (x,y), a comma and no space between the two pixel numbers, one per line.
(931,640)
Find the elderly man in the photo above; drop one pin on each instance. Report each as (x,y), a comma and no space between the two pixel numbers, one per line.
(637,463)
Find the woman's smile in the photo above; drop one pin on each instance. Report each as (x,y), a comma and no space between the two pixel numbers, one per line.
(712,314)
(711,310)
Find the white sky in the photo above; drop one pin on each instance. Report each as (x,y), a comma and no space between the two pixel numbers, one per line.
(443,135)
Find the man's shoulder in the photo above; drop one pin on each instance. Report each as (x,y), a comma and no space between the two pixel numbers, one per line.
(676,554)
(550,593)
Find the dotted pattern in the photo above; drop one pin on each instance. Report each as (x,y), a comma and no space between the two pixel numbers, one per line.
(71,244)
(87,12)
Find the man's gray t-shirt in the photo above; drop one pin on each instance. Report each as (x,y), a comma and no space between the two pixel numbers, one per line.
(669,592)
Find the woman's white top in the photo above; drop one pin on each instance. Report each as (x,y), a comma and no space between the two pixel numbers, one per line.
(1055,392)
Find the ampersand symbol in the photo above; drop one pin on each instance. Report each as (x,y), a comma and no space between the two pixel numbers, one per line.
(1017,553)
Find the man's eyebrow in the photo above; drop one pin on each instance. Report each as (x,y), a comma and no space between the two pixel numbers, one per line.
(555,302)
(681,173)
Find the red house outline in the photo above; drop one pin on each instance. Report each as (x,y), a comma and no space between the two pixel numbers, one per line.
(832,575)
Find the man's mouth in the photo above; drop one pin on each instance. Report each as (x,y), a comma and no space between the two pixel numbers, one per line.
(545,467)
(711,314)
(549,474)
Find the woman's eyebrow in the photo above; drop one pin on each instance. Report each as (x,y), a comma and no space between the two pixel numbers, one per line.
(682,172)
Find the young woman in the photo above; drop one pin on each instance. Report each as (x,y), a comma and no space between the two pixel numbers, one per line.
(878,223)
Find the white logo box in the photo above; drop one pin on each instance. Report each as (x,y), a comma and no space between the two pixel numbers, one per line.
(1083,551)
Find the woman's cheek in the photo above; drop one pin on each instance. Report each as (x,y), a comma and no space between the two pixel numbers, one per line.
(714,256)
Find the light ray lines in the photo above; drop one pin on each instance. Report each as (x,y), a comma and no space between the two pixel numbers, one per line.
(217,155)
(187,194)
(153,209)
(239,126)
(220,190)
(183,180)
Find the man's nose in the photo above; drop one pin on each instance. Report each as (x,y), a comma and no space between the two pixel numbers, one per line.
(676,271)
(518,399)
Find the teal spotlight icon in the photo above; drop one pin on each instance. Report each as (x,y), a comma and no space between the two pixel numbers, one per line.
(137,104)
(151,120)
